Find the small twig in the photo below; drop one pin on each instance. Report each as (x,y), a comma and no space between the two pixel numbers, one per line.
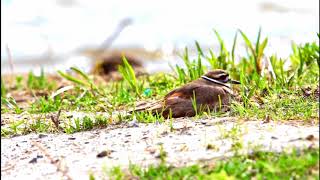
(8,168)
(10,58)
(63,170)
(296,139)
(34,95)
(55,119)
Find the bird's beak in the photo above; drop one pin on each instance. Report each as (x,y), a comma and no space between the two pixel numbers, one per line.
(233,81)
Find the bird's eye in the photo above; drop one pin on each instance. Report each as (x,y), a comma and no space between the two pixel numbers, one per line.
(224,78)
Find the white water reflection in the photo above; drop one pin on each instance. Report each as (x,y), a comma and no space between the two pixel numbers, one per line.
(32,28)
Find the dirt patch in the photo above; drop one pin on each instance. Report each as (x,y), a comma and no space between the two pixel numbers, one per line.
(185,142)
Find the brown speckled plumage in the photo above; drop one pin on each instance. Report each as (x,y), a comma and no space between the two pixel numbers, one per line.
(208,95)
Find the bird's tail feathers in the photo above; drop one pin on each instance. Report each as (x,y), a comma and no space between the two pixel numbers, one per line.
(147,106)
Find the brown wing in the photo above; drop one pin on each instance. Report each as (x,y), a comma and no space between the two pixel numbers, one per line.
(185,91)
(180,102)
(161,106)
(203,93)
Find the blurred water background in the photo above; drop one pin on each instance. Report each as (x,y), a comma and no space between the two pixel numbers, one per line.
(54,34)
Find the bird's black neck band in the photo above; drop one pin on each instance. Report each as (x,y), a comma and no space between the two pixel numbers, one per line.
(215,81)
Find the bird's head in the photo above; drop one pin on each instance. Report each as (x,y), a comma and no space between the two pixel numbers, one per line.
(219,76)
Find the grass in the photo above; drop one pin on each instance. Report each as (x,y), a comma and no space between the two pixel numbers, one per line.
(298,164)
(129,76)
(36,82)
(257,52)
(3,88)
(279,94)
(11,104)
(41,124)
(86,123)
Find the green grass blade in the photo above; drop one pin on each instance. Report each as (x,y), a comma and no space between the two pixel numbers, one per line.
(3,88)
(61,90)
(10,102)
(200,69)
(262,47)
(234,46)
(199,49)
(42,79)
(294,48)
(85,76)
(194,103)
(81,73)
(73,79)
(129,75)
(258,41)
(212,59)
(181,74)
(248,43)
(222,45)
(6,102)
(126,76)
(129,69)
(300,69)
(186,55)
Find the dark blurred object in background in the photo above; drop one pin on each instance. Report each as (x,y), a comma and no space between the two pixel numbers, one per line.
(107,66)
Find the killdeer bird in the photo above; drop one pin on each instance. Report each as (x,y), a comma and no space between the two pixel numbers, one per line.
(208,92)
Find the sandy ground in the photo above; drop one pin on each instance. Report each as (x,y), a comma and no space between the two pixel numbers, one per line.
(59,156)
